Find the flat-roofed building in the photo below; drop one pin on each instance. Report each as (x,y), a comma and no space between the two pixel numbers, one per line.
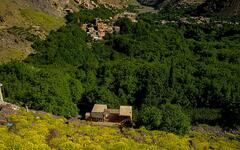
(126,112)
(101,113)
(97,113)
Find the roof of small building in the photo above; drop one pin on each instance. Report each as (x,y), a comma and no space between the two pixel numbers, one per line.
(126,111)
(99,108)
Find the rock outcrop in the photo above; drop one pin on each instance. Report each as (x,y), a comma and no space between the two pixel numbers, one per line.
(221,7)
(53,7)
(151,2)
(160,4)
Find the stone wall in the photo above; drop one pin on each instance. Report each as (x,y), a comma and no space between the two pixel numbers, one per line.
(1,94)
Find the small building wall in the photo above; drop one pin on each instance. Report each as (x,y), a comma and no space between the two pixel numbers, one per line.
(88,116)
(126,111)
(112,118)
(1,94)
(97,115)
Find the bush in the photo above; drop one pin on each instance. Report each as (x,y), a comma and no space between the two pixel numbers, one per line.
(174,120)
(65,46)
(230,115)
(150,117)
(204,115)
(45,89)
(88,15)
(125,25)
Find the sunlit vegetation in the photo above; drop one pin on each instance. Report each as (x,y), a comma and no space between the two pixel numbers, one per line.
(86,16)
(43,131)
(47,22)
(7,55)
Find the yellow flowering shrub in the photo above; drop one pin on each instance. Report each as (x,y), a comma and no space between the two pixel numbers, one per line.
(42,131)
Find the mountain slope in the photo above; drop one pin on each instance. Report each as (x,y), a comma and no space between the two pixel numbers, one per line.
(34,16)
(162,3)
(221,7)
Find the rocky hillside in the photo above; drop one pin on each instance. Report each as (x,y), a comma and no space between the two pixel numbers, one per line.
(162,3)
(19,19)
(222,7)
(150,2)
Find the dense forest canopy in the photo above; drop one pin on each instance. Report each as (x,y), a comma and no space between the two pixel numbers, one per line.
(171,74)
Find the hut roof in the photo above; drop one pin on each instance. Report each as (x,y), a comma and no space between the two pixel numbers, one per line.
(99,108)
(126,111)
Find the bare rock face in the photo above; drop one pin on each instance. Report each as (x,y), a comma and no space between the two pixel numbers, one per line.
(151,2)
(160,4)
(221,7)
(88,4)
(53,7)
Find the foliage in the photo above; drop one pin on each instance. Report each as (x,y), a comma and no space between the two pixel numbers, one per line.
(125,25)
(43,20)
(150,117)
(174,119)
(88,15)
(166,67)
(230,115)
(49,89)
(204,115)
(43,131)
(72,43)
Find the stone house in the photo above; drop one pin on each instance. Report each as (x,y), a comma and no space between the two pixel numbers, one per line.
(101,113)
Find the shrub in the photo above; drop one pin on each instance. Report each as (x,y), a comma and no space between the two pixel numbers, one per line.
(204,115)
(126,25)
(150,117)
(174,120)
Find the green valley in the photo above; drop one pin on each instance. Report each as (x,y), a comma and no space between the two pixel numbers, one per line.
(178,69)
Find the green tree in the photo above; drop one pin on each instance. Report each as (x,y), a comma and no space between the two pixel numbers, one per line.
(150,117)
(174,120)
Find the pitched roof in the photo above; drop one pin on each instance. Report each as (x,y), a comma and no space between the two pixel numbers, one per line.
(99,108)
(126,111)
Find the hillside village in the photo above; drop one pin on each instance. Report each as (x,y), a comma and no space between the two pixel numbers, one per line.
(100,27)
(14,46)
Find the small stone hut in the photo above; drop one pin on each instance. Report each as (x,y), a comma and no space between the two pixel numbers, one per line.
(126,112)
(101,113)
(97,113)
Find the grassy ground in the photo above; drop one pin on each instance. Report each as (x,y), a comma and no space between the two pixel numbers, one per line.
(44,131)
(43,20)
(7,55)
